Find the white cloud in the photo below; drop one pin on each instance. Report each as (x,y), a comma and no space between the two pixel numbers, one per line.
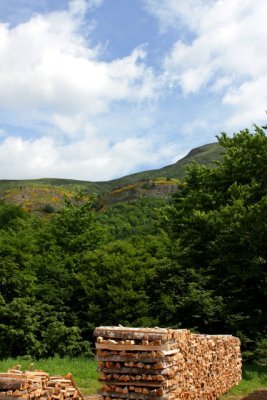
(250,100)
(178,13)
(89,158)
(189,128)
(94,118)
(46,63)
(226,53)
(78,7)
(52,78)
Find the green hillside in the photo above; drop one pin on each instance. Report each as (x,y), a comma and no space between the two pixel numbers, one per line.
(48,195)
(206,155)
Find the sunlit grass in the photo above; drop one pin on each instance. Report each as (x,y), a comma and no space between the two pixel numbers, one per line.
(83,370)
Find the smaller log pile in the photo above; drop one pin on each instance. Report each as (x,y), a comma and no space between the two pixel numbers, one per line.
(37,385)
(165,364)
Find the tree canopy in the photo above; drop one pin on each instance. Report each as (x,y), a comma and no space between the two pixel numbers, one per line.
(219,218)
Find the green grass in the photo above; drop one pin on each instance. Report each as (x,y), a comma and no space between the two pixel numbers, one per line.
(254,377)
(83,370)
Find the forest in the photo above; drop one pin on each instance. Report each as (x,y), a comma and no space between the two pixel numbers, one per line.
(197,261)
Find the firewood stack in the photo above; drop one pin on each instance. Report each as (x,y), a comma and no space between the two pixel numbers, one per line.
(140,363)
(37,385)
(165,364)
(213,366)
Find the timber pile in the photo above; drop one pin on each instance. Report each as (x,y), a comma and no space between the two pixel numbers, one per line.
(37,385)
(165,364)
(213,366)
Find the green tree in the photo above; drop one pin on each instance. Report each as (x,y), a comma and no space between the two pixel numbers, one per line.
(9,214)
(219,219)
(76,229)
(39,287)
(117,281)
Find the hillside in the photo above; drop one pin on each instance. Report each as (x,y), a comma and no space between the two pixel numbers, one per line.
(48,194)
(206,154)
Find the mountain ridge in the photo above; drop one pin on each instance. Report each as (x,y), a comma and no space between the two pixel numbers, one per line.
(34,194)
(202,153)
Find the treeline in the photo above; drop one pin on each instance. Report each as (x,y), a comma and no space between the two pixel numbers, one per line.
(198,262)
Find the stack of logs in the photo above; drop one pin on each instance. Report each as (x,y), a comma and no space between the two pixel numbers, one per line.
(213,365)
(37,385)
(165,364)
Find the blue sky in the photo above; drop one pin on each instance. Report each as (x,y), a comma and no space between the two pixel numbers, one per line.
(98,89)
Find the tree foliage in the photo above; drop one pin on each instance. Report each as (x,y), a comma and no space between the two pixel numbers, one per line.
(198,262)
(219,218)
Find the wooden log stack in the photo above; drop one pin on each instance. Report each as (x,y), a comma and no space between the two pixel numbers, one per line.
(213,366)
(165,364)
(37,385)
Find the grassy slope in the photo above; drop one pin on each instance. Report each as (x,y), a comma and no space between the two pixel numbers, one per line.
(206,154)
(34,195)
(68,184)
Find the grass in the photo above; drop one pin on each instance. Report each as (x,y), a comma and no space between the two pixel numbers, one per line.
(83,370)
(254,377)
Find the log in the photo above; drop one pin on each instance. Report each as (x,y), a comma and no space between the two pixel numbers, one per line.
(132,333)
(134,395)
(7,383)
(135,347)
(70,377)
(135,371)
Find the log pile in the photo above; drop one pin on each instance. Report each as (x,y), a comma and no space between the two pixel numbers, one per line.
(165,364)
(37,385)
(213,366)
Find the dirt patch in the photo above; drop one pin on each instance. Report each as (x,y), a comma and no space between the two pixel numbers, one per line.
(260,394)
(92,397)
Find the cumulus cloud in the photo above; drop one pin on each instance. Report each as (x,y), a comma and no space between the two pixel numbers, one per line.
(46,63)
(94,159)
(52,77)
(191,127)
(79,7)
(226,53)
(174,13)
(87,118)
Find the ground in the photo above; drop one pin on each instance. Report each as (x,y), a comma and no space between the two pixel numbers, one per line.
(260,394)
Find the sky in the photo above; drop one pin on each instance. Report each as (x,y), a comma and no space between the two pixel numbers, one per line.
(98,89)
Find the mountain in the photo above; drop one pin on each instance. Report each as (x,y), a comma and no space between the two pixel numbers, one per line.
(206,155)
(48,194)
